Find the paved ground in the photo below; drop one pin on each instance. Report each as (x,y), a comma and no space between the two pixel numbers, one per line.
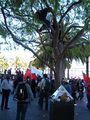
(34,113)
(81,112)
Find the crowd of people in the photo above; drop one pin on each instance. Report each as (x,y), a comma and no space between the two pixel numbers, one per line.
(41,88)
(15,86)
(78,88)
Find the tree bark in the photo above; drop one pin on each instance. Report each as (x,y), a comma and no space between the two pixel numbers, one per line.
(87,65)
(59,72)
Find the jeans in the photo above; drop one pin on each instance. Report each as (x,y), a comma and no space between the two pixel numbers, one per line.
(21,110)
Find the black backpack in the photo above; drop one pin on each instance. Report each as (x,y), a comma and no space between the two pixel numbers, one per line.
(22,93)
(47,85)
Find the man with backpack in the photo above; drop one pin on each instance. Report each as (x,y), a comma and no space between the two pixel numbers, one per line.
(44,86)
(23,95)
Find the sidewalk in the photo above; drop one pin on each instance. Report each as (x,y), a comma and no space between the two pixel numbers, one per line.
(34,113)
(81,112)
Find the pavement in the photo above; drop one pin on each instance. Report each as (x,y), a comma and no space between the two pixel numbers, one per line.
(34,113)
(81,112)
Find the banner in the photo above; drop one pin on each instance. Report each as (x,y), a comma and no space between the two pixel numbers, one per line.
(60,92)
(86,78)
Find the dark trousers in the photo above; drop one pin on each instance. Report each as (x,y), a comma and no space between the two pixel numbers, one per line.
(74,96)
(5,98)
(34,92)
(21,110)
(43,98)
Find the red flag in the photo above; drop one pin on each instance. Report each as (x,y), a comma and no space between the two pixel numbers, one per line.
(27,74)
(86,78)
(33,76)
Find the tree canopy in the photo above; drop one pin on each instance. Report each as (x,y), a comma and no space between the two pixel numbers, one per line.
(65,25)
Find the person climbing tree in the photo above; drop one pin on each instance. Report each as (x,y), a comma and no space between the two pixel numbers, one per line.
(42,16)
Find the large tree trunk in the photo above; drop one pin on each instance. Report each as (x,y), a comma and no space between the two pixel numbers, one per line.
(59,72)
(68,70)
(87,65)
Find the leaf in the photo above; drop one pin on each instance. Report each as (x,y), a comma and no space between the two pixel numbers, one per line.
(56,6)
(32,1)
(18,2)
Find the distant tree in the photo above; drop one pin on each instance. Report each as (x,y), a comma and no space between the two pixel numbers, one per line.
(18,62)
(3,64)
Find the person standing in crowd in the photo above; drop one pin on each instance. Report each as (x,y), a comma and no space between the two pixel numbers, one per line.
(74,91)
(34,84)
(28,80)
(81,91)
(67,86)
(6,89)
(44,86)
(23,95)
(52,86)
(9,71)
(33,87)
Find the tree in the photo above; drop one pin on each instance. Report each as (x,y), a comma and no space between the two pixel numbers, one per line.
(3,63)
(19,62)
(78,53)
(68,25)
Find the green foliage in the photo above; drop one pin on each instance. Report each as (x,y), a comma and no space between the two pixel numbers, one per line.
(3,31)
(68,18)
(45,55)
(79,53)
(55,5)
(3,63)
(17,3)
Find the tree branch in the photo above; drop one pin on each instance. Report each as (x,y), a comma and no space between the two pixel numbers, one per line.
(17,40)
(70,7)
(83,44)
(72,26)
(78,35)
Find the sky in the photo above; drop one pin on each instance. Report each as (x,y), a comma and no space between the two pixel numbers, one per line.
(25,55)
(14,50)
(76,70)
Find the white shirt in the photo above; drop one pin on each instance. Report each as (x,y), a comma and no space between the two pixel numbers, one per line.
(41,84)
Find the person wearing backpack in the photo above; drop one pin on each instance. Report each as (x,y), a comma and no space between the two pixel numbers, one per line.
(23,95)
(44,86)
